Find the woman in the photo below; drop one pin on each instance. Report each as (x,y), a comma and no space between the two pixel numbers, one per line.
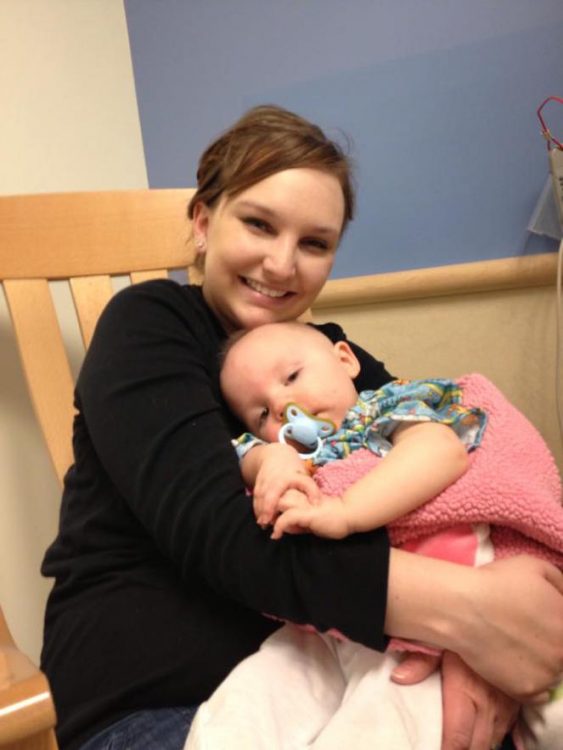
(161,573)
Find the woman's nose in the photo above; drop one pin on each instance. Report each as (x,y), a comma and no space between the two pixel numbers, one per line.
(279,263)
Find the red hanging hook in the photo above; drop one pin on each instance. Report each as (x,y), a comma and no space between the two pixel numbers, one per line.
(545,131)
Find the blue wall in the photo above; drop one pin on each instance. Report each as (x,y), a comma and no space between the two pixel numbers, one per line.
(438,98)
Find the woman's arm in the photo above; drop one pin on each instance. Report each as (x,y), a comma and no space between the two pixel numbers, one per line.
(488,615)
(159,430)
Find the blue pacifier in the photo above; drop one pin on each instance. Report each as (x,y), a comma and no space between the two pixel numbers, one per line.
(305,429)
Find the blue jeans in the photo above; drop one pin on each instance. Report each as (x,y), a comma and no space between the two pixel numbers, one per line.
(155,729)
(159,729)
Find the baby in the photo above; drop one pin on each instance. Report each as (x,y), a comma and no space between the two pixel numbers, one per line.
(275,365)
(404,445)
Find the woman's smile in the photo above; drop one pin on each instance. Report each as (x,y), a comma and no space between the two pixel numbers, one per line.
(264,290)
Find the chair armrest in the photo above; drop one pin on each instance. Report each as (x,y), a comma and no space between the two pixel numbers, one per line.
(26,704)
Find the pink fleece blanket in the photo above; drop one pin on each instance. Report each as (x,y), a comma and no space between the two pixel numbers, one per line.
(512,484)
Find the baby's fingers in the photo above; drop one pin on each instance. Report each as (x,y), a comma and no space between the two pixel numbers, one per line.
(287,523)
(292,499)
(265,505)
(308,487)
(292,521)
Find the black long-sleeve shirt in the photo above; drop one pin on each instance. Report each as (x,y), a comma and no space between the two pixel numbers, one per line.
(161,572)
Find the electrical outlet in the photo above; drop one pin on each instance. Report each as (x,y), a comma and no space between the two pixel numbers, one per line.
(556,168)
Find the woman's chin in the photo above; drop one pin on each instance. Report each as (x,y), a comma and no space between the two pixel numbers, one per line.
(256,318)
(256,315)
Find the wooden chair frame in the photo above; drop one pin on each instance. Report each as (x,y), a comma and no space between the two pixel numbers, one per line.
(84,239)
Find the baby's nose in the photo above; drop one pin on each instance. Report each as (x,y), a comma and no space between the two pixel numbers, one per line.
(279,407)
(280,412)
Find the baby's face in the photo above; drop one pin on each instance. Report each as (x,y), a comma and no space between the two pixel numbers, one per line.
(274,365)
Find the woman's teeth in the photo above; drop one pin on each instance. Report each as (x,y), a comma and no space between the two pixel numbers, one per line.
(264,289)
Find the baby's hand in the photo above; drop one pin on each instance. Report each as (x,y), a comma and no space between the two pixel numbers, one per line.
(329,518)
(294,499)
(281,470)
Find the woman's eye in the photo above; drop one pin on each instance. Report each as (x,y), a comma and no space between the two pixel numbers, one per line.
(315,243)
(253,221)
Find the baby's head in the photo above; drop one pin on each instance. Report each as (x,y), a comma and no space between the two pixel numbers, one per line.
(272,365)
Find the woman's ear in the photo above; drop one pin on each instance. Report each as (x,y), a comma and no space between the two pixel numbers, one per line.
(200,225)
(347,358)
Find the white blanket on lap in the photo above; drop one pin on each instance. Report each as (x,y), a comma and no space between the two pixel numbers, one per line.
(302,690)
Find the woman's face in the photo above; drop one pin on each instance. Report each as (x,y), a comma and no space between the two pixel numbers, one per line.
(269,250)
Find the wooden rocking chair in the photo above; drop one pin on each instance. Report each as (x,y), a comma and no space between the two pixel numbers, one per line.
(84,239)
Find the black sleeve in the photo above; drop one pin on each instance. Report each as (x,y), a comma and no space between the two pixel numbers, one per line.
(149,397)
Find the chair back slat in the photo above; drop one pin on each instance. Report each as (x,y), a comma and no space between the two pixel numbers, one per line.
(88,234)
(84,239)
(138,276)
(90,295)
(45,364)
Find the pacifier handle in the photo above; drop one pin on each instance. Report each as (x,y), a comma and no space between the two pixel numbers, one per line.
(287,427)
(305,429)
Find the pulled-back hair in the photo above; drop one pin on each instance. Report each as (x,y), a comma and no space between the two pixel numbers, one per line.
(268,139)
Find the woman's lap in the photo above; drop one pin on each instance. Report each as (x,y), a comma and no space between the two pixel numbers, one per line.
(162,728)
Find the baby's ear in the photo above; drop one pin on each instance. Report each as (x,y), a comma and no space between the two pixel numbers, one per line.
(347,358)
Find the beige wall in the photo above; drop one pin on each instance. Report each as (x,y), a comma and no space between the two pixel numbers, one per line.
(69,122)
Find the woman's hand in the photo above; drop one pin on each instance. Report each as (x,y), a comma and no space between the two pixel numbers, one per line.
(518,640)
(505,619)
(476,716)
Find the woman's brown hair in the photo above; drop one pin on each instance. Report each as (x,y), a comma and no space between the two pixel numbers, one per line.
(268,139)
